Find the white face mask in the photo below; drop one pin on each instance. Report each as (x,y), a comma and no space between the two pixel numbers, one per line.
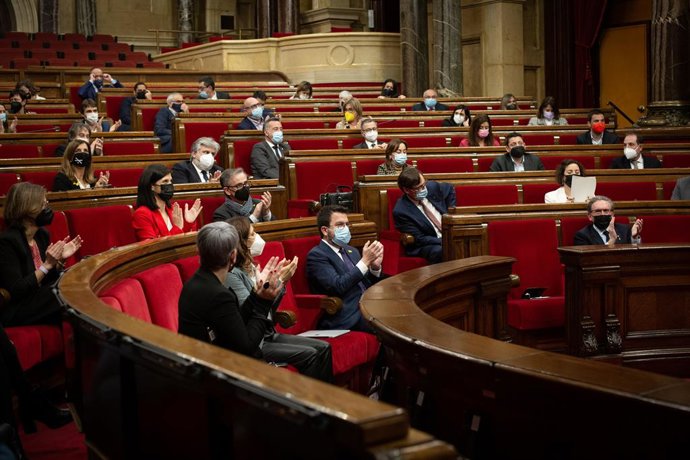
(629,153)
(257,246)
(206,161)
(458,119)
(371,136)
(92,117)
(303,96)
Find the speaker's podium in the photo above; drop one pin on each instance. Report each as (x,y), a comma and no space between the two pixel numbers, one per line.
(630,304)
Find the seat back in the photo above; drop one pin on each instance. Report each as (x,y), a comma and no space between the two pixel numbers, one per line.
(666,229)
(534,193)
(7,180)
(300,247)
(445,165)
(101,228)
(125,177)
(128,148)
(628,191)
(210,204)
(130,295)
(312,181)
(368,167)
(44,178)
(480,195)
(162,286)
(570,226)
(19,151)
(187,267)
(393,195)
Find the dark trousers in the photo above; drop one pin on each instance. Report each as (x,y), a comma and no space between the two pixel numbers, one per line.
(312,357)
(11,377)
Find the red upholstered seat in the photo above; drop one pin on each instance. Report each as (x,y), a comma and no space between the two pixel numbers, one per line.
(666,229)
(187,267)
(538,139)
(7,180)
(368,167)
(313,144)
(627,191)
(44,178)
(398,123)
(125,177)
(425,141)
(101,228)
(567,139)
(303,124)
(484,163)
(128,148)
(395,260)
(317,177)
(479,195)
(533,243)
(130,295)
(677,161)
(552,162)
(534,193)
(300,247)
(350,142)
(605,161)
(112,103)
(669,185)
(242,154)
(210,204)
(112,302)
(162,286)
(36,343)
(148,118)
(443,165)
(197,129)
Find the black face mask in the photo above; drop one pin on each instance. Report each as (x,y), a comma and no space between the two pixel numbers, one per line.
(512,106)
(81,159)
(98,83)
(602,222)
(15,106)
(568,180)
(517,152)
(242,194)
(141,94)
(167,192)
(45,217)
(177,107)
(388,92)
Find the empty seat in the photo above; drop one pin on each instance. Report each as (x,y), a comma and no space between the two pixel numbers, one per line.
(130,296)
(129,148)
(19,151)
(101,228)
(162,286)
(628,191)
(316,177)
(44,178)
(666,229)
(368,167)
(443,165)
(480,195)
(7,180)
(125,177)
(534,193)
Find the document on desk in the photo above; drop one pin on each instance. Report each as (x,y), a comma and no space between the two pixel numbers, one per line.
(330,333)
(583,188)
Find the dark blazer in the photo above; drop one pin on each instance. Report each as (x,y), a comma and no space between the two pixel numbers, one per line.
(62,183)
(682,189)
(588,235)
(247,124)
(126,114)
(206,304)
(224,212)
(420,107)
(363,145)
(264,162)
(185,173)
(89,91)
(219,95)
(505,163)
(609,138)
(328,275)
(163,128)
(409,219)
(31,300)
(624,163)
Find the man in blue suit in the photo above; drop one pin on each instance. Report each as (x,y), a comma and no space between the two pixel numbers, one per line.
(97,80)
(419,212)
(336,269)
(165,118)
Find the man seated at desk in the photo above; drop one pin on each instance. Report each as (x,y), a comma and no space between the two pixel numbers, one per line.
(604,229)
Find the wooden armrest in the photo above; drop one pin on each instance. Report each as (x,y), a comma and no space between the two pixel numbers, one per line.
(406,239)
(4,298)
(331,305)
(286,319)
(514,280)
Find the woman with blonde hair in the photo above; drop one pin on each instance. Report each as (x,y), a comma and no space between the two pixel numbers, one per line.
(352,114)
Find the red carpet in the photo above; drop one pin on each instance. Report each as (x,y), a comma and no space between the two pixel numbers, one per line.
(65,443)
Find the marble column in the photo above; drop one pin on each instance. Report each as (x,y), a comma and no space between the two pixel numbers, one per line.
(414,47)
(86,17)
(503,48)
(184,20)
(288,16)
(670,55)
(446,72)
(263,18)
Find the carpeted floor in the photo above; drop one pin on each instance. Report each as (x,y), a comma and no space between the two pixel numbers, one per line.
(65,443)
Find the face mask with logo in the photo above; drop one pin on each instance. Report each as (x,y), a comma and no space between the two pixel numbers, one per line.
(242,194)
(277,137)
(257,246)
(517,152)
(630,153)
(141,94)
(458,119)
(206,162)
(430,102)
(400,158)
(3,117)
(371,136)
(15,107)
(203,94)
(92,117)
(257,113)
(598,127)
(421,194)
(45,217)
(483,133)
(167,192)
(177,107)
(81,160)
(548,115)
(349,117)
(342,236)
(602,222)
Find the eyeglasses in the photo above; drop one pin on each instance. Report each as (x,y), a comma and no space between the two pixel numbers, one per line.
(370,130)
(238,186)
(599,212)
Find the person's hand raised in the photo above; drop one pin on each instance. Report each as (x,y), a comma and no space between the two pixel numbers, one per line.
(371,252)
(177,218)
(268,284)
(190,214)
(70,247)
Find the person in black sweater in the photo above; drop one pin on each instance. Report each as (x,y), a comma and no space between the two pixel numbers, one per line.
(76,172)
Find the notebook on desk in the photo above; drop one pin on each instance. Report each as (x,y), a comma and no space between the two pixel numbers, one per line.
(327,333)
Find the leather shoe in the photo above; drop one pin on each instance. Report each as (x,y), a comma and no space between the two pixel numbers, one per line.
(38,407)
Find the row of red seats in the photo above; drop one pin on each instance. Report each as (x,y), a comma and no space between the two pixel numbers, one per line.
(49,36)
(122,177)
(48,150)
(29,47)
(23,63)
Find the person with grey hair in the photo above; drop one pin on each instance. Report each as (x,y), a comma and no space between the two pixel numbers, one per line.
(210,312)
(165,118)
(604,229)
(238,200)
(201,166)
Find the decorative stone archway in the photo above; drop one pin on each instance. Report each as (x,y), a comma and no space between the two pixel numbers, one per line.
(25,15)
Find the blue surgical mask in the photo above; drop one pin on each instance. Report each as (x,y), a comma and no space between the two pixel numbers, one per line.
(430,102)
(400,158)
(421,194)
(203,95)
(3,117)
(257,112)
(342,236)
(277,137)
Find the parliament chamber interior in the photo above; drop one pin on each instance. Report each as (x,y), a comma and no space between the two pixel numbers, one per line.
(500,188)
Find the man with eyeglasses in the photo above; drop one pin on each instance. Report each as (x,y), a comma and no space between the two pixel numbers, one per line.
(370,133)
(255,114)
(604,229)
(419,212)
(266,155)
(238,200)
(165,118)
(334,268)
(207,90)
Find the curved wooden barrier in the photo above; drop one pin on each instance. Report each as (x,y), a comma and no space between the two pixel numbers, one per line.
(492,399)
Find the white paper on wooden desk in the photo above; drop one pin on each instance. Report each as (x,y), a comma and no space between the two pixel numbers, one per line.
(324,333)
(583,188)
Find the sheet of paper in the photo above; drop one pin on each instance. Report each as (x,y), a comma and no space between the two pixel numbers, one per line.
(583,188)
(324,333)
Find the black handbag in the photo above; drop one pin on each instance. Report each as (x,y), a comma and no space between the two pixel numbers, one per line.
(340,197)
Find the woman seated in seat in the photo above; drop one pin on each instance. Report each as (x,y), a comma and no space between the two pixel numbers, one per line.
(303,91)
(461,117)
(76,171)
(81,130)
(311,357)
(352,114)
(96,123)
(480,134)
(390,90)
(564,177)
(396,159)
(154,215)
(548,114)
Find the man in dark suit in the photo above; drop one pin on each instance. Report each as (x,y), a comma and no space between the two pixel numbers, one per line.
(604,229)
(682,189)
(419,212)
(334,268)
(238,199)
(430,102)
(201,166)
(597,134)
(97,80)
(632,155)
(207,90)
(516,158)
(141,93)
(165,119)
(255,113)
(370,133)
(266,155)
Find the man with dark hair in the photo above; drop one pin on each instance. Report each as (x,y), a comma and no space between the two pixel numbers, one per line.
(334,268)
(632,155)
(516,158)
(97,80)
(604,229)
(266,155)
(18,102)
(419,212)
(238,199)
(207,90)
(370,133)
(141,93)
(597,134)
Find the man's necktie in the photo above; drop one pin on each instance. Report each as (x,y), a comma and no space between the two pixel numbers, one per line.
(276,149)
(205,175)
(634,165)
(606,236)
(430,214)
(349,265)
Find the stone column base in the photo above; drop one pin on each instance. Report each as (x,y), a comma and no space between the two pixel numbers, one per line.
(666,113)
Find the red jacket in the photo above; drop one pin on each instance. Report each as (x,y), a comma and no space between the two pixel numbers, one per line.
(150,224)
